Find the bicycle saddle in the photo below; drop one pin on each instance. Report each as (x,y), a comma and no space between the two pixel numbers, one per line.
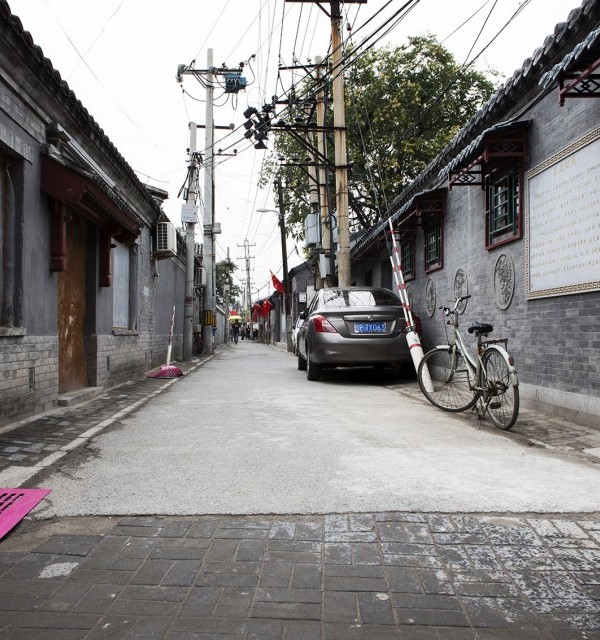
(480,327)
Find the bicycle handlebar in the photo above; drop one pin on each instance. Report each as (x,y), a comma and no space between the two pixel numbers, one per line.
(448,310)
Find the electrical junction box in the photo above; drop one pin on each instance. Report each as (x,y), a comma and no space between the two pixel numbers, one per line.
(234,82)
(311,230)
(189,213)
(324,265)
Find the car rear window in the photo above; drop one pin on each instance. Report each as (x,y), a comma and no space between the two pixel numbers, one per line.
(335,298)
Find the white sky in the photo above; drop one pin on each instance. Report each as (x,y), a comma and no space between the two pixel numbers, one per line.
(131,49)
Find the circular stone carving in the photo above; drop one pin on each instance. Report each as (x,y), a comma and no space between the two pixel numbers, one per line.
(504,281)
(430,297)
(461,288)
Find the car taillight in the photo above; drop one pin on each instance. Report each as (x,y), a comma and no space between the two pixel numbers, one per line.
(322,325)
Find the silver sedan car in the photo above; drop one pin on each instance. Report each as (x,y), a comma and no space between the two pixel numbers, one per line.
(351,327)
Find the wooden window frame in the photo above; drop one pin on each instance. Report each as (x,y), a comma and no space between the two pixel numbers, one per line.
(506,177)
(435,223)
(407,255)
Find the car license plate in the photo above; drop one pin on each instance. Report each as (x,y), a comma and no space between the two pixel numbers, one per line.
(369,327)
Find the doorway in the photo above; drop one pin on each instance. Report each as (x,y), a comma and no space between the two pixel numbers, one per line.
(72,369)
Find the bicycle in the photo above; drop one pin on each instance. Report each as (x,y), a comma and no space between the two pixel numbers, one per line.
(460,381)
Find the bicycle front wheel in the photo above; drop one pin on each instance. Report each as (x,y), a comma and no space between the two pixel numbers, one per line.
(503,406)
(449,388)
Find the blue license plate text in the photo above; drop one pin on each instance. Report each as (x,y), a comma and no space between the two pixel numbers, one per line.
(369,327)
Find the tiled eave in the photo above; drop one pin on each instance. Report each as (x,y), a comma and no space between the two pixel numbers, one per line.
(565,39)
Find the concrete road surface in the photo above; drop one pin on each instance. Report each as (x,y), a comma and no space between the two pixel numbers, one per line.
(247,433)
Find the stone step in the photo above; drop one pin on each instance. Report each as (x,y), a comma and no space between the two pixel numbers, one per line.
(80,395)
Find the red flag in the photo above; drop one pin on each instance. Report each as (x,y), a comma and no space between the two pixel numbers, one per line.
(277,284)
(256,311)
(266,307)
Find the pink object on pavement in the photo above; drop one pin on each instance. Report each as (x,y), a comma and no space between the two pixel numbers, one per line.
(15,504)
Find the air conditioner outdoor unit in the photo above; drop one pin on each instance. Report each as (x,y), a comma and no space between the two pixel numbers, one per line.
(200,277)
(166,239)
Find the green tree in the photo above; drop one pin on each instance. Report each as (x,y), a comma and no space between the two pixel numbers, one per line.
(224,275)
(403,106)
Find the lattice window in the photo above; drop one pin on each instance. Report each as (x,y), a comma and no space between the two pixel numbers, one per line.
(433,243)
(503,206)
(407,253)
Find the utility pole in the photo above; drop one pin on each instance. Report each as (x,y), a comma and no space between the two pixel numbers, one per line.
(226,290)
(325,218)
(339,125)
(189,217)
(287,291)
(209,218)
(339,136)
(234,82)
(247,258)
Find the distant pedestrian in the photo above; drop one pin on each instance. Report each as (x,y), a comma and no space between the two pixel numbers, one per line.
(236,332)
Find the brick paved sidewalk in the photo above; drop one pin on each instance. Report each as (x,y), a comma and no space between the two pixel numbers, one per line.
(335,577)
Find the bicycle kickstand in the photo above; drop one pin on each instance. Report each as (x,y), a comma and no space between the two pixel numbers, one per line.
(480,409)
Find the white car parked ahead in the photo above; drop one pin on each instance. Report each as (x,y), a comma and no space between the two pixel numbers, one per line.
(296,328)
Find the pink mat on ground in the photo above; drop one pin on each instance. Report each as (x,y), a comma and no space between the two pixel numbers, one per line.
(15,504)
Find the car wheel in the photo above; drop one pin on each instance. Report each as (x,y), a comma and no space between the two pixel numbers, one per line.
(313,370)
(301,363)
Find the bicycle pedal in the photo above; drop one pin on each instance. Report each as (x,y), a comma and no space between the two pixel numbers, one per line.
(495,405)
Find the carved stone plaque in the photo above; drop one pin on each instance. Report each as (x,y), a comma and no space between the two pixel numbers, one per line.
(504,281)
(430,297)
(461,288)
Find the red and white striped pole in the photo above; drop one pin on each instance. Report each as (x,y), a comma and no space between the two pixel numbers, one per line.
(412,337)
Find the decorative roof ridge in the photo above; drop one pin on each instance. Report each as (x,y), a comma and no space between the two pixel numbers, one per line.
(483,119)
(551,76)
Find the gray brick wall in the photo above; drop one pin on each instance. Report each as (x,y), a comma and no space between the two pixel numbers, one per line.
(555,341)
(28,375)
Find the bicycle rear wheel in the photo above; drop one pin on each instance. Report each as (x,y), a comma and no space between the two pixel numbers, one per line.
(449,389)
(504,403)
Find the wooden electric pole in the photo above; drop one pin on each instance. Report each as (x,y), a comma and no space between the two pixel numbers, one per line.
(339,137)
(339,125)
